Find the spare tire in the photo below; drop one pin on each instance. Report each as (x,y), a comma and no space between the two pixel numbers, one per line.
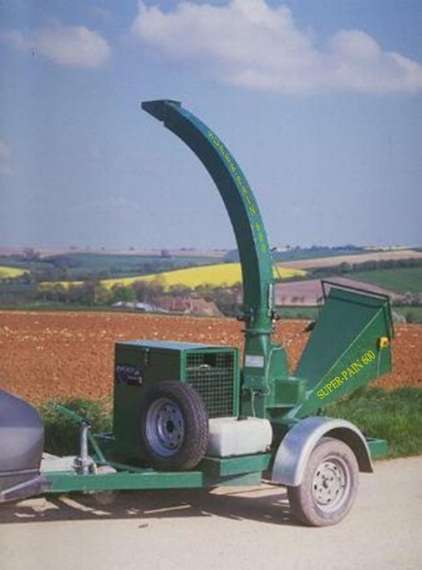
(173,426)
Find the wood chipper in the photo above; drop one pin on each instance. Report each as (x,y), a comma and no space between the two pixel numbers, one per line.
(189,415)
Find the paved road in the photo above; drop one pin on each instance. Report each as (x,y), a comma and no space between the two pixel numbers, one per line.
(225,529)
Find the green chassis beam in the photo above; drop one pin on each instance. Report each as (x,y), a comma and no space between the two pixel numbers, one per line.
(244,470)
(66,482)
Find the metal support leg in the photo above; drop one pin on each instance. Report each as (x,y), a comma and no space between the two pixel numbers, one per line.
(84,464)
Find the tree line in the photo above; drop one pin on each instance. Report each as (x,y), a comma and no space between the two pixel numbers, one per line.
(93,293)
(370,265)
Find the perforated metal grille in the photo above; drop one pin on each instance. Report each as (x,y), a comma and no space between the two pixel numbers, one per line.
(212,376)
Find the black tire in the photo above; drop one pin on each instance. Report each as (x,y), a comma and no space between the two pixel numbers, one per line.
(173,426)
(329,486)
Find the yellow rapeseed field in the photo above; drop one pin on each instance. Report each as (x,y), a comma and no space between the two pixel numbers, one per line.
(10,272)
(221,274)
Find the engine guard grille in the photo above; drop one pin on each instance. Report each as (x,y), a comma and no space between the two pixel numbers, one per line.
(213,376)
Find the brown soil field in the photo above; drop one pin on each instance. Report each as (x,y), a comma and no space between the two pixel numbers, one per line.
(47,355)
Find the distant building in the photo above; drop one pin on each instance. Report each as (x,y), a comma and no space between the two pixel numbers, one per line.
(137,306)
(188,305)
(309,292)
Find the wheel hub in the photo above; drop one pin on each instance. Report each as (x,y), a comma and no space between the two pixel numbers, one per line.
(165,427)
(331,484)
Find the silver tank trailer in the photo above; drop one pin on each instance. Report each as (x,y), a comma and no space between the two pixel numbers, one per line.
(21,448)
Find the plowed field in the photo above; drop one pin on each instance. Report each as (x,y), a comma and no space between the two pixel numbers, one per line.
(46,355)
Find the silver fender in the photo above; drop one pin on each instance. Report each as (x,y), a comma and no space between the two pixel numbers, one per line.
(297,445)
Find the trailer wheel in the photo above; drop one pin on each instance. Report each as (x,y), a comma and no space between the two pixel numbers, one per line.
(173,426)
(329,486)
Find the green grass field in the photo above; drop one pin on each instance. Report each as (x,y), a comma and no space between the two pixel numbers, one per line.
(116,265)
(411,314)
(400,280)
(395,416)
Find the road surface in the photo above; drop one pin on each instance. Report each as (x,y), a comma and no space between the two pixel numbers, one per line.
(224,529)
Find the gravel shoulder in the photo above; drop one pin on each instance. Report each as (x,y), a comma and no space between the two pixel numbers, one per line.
(226,528)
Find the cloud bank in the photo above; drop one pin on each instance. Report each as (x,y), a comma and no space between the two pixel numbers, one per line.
(71,46)
(250,44)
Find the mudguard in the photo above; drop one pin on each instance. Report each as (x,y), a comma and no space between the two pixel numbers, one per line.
(296,447)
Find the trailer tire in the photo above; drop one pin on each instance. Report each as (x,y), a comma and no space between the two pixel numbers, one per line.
(329,485)
(173,426)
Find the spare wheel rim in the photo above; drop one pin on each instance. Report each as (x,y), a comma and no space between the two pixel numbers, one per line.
(165,427)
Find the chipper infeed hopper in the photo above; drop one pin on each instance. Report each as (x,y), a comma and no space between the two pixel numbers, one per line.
(193,415)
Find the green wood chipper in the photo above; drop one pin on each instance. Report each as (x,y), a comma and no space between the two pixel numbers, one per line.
(190,415)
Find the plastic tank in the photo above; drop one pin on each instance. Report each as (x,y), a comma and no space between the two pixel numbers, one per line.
(230,437)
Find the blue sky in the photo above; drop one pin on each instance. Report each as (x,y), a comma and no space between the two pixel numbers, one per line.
(320,102)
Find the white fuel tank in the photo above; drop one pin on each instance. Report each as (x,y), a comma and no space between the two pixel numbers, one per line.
(233,436)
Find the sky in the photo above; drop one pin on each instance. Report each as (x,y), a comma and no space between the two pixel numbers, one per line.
(319,101)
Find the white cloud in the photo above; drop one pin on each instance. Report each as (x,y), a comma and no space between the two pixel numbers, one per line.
(5,158)
(72,46)
(251,44)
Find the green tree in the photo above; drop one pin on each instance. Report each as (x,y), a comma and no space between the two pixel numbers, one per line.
(123,294)
(103,296)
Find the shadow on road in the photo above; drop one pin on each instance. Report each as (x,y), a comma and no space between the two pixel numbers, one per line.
(262,504)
